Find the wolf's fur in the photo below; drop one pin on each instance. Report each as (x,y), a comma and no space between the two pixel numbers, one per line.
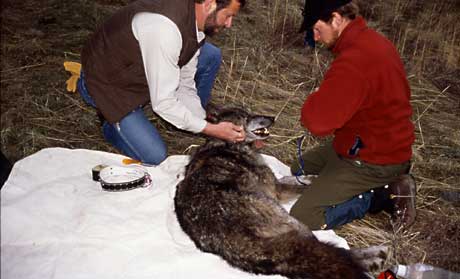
(228,204)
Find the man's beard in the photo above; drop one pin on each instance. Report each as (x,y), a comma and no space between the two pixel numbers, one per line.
(330,45)
(210,26)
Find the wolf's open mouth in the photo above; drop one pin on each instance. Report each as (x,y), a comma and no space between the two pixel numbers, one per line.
(262,132)
(257,127)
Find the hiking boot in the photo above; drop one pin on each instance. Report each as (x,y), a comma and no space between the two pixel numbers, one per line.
(403,191)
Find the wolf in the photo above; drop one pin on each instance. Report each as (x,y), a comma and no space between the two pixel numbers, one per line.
(229,204)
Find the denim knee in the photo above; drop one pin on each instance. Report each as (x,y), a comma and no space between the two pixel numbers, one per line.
(155,158)
(136,137)
(150,151)
(210,55)
(209,62)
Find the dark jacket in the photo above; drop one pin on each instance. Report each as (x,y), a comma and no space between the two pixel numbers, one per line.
(112,61)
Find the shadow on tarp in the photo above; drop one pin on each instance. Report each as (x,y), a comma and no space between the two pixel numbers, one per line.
(5,169)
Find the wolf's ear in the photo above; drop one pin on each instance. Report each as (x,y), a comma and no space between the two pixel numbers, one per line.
(212,113)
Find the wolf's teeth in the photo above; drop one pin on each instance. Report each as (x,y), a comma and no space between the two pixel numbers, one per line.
(262,132)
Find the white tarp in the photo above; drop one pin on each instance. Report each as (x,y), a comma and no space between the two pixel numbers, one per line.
(58,223)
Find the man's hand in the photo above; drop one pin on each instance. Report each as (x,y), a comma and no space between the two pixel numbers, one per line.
(226,131)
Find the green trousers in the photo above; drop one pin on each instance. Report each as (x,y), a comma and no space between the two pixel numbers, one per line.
(339,179)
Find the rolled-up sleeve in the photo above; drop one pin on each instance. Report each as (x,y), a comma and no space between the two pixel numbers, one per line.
(172,90)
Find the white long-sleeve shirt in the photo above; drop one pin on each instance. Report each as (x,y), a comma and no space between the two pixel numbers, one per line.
(172,89)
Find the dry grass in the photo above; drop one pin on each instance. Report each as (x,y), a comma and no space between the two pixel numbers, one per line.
(267,70)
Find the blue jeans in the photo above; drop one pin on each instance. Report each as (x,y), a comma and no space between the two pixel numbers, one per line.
(135,136)
(209,62)
(343,213)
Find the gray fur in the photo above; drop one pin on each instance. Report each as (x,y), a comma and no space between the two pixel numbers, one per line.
(229,205)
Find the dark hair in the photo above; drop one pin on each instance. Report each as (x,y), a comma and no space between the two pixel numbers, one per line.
(222,4)
(350,11)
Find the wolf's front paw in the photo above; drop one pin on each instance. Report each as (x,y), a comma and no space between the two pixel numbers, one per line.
(296,180)
(372,258)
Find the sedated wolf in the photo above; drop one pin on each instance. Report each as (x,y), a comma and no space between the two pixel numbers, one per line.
(229,205)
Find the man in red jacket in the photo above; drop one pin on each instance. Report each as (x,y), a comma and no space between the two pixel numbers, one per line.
(364,101)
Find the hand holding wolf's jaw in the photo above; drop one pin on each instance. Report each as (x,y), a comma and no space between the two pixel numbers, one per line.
(225,131)
(246,129)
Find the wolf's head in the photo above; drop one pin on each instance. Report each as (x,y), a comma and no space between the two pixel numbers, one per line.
(256,126)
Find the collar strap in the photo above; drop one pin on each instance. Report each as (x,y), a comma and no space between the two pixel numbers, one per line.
(115,178)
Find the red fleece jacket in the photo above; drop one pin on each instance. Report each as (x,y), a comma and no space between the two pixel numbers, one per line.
(365,94)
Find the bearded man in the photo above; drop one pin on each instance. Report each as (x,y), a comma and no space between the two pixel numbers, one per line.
(364,103)
(155,51)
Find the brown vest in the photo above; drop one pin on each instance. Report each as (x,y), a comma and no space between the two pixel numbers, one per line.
(112,61)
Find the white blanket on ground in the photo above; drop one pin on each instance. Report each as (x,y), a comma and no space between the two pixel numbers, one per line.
(58,223)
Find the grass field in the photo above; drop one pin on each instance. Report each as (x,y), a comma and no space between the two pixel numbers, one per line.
(266,69)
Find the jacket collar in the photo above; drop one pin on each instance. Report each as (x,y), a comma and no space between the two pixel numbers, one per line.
(353,29)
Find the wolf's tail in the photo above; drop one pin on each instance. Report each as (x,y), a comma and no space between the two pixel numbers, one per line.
(298,256)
